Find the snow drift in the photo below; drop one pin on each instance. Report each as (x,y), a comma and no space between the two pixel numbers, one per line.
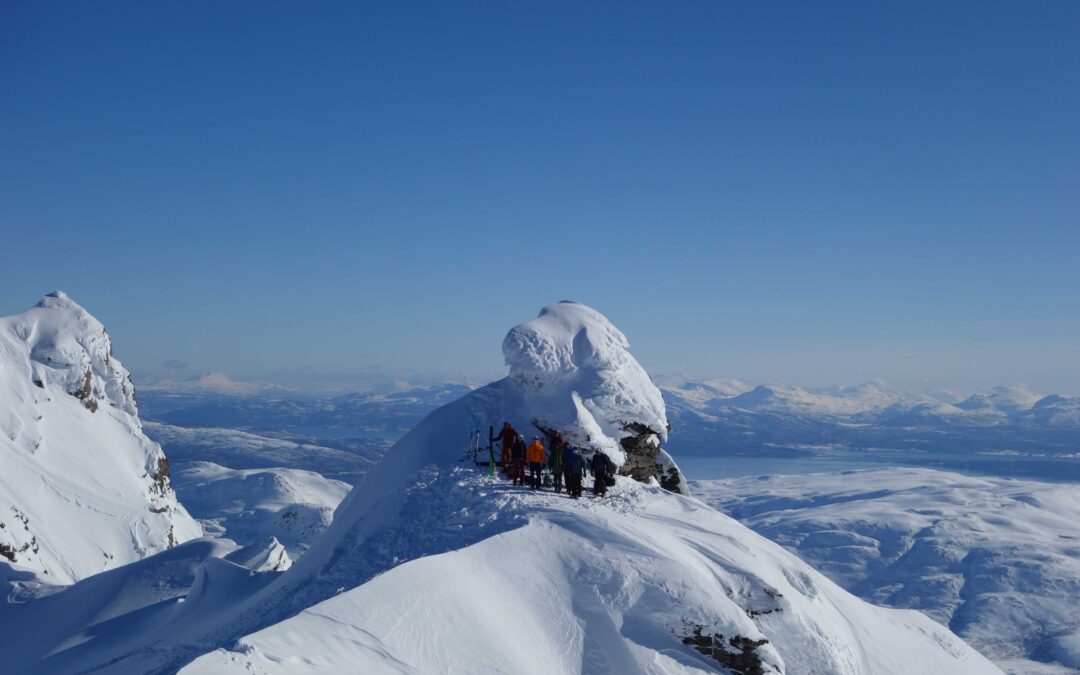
(82,489)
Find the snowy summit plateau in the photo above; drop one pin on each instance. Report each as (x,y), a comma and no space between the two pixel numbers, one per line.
(431,565)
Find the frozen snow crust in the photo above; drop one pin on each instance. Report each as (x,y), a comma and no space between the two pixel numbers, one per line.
(82,489)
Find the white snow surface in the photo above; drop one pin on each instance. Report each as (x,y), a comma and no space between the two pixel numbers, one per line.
(996,560)
(253,505)
(573,371)
(593,587)
(77,488)
(431,566)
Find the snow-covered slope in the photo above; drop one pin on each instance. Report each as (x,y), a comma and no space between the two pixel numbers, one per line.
(109,613)
(244,450)
(646,582)
(432,566)
(1052,411)
(82,489)
(998,561)
(253,505)
(1003,399)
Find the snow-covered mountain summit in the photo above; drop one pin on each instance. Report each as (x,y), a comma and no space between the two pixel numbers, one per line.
(571,370)
(81,488)
(431,565)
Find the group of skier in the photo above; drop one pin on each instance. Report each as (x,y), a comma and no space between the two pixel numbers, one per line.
(524,464)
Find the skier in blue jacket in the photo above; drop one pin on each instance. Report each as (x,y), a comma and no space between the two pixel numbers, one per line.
(574,469)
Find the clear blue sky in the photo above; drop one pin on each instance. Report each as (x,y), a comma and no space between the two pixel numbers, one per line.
(799,192)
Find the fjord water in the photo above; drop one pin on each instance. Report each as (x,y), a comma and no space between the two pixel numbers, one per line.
(1058,468)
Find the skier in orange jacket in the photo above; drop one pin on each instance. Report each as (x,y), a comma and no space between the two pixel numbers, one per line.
(534,457)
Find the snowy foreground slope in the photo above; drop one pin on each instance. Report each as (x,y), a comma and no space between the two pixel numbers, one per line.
(82,489)
(645,582)
(431,566)
(998,561)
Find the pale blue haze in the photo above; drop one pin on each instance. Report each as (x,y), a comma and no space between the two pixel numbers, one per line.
(802,192)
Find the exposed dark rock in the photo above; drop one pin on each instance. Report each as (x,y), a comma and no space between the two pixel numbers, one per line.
(38,383)
(642,454)
(85,393)
(671,479)
(11,553)
(738,654)
(642,449)
(161,476)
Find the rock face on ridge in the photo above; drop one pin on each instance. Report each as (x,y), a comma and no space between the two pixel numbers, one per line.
(82,489)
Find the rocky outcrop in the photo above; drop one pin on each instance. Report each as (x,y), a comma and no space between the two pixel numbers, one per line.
(646,460)
(738,653)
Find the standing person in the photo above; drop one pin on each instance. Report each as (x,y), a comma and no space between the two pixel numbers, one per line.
(555,460)
(508,436)
(574,468)
(517,460)
(601,469)
(534,455)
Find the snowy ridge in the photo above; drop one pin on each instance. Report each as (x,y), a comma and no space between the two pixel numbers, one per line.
(647,582)
(82,489)
(432,566)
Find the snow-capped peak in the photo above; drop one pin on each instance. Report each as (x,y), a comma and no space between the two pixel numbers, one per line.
(1008,399)
(82,488)
(71,350)
(574,372)
(59,298)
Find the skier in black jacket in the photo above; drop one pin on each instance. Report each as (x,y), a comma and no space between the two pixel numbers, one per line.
(602,467)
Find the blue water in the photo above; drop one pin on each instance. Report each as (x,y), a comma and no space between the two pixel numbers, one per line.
(1062,469)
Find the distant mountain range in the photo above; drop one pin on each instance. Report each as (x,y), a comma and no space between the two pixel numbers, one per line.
(715,416)
(708,417)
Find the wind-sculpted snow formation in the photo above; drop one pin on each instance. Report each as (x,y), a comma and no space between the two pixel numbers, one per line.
(430,565)
(82,489)
(572,370)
